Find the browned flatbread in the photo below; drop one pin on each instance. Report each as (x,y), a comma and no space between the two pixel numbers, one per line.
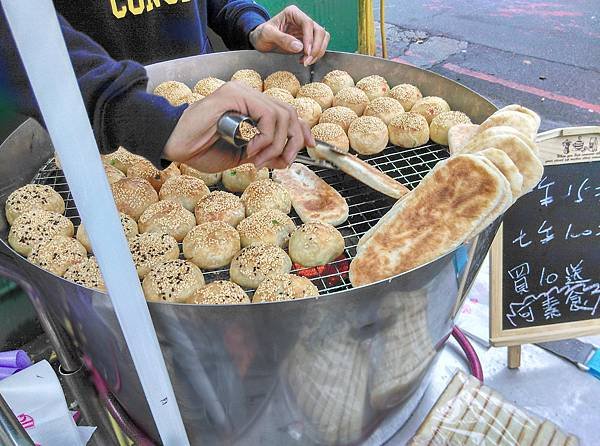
(523,122)
(459,135)
(521,109)
(505,165)
(526,161)
(480,139)
(313,199)
(447,206)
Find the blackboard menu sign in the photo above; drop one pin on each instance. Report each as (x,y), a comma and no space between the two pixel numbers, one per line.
(546,257)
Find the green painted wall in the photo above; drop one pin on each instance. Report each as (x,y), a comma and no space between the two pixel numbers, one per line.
(339,17)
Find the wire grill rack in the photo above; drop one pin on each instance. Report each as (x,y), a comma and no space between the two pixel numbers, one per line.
(366,206)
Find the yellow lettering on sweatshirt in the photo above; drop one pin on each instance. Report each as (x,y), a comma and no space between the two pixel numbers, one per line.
(118,12)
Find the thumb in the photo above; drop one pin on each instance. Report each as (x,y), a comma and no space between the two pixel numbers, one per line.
(284,42)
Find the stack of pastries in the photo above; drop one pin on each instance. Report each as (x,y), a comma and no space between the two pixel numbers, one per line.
(178,229)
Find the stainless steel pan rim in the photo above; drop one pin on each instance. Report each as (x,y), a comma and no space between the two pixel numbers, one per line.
(218,400)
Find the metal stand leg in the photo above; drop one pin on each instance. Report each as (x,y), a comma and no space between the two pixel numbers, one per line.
(71,365)
(11,431)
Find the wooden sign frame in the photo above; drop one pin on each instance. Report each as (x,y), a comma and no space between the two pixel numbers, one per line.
(514,338)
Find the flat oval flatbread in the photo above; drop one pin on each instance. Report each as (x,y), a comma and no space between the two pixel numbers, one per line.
(503,162)
(459,135)
(511,118)
(312,198)
(436,217)
(526,161)
(479,140)
(527,111)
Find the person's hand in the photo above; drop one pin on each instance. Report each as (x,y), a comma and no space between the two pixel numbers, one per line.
(194,140)
(292,31)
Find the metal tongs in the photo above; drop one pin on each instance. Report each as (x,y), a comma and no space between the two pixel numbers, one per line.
(230,127)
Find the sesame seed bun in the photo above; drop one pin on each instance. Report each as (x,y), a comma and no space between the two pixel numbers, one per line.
(284,287)
(374,86)
(337,80)
(220,292)
(150,249)
(167,217)
(257,262)
(284,80)
(133,196)
(220,206)
(353,98)
(429,107)
(315,243)
(185,190)
(250,78)
(342,116)
(208,86)
(266,194)
(408,130)
(368,135)
(172,281)
(269,227)
(175,92)
(211,245)
(57,254)
(318,91)
(37,226)
(210,179)
(238,178)
(33,196)
(86,273)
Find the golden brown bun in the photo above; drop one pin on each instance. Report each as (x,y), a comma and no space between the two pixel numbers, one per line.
(255,263)
(220,292)
(175,92)
(220,206)
(57,254)
(238,178)
(280,94)
(121,159)
(342,116)
(429,107)
(308,110)
(249,77)
(208,86)
(146,170)
(33,196)
(130,227)
(441,124)
(266,194)
(167,217)
(173,281)
(150,249)
(211,245)
(284,80)
(112,173)
(384,108)
(86,273)
(337,80)
(133,196)
(353,98)
(374,86)
(210,179)
(368,135)
(332,134)
(195,97)
(318,91)
(284,287)
(406,94)
(185,190)
(316,243)
(37,226)
(408,130)
(269,227)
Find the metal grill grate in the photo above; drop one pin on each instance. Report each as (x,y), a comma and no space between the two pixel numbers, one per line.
(366,205)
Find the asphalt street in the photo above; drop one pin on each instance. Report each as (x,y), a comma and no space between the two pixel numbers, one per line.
(542,54)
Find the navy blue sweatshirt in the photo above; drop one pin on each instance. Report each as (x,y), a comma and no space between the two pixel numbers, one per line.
(109,41)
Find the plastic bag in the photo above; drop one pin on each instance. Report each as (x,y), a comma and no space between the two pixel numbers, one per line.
(37,400)
(469,413)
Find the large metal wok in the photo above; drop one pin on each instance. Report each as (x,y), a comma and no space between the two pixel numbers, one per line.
(348,366)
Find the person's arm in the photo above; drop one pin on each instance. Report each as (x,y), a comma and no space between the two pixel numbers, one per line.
(233,20)
(114,93)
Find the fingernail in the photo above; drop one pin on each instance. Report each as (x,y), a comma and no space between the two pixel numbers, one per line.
(297,46)
(307,61)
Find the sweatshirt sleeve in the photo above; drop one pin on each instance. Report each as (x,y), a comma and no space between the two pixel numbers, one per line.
(114,94)
(233,20)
